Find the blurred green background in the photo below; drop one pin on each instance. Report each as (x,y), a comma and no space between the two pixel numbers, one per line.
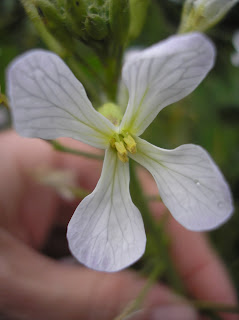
(208,117)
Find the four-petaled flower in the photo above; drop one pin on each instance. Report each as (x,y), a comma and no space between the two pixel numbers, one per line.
(106,231)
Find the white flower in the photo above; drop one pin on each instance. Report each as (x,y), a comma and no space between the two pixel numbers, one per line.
(235,55)
(106,231)
(213,10)
(203,14)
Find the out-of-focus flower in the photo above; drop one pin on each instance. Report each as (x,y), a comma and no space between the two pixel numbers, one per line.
(63,181)
(106,231)
(200,15)
(235,55)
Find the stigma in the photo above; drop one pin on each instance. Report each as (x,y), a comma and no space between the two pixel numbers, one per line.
(123,143)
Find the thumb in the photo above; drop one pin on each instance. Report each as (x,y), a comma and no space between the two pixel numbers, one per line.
(36,287)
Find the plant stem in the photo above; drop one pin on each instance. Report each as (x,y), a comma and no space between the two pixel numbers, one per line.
(218,307)
(155,232)
(81,76)
(113,70)
(137,302)
(51,42)
(59,147)
(65,52)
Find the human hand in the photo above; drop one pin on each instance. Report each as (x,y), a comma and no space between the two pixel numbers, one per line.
(33,286)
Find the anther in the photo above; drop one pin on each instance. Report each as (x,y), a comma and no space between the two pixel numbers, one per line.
(130,144)
(121,151)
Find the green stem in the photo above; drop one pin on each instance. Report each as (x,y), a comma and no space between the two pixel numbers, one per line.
(113,66)
(212,315)
(54,45)
(155,232)
(82,77)
(218,307)
(50,41)
(59,147)
(136,304)
(46,5)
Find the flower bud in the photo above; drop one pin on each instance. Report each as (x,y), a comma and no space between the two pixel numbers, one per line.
(89,19)
(119,18)
(101,24)
(200,15)
(76,15)
(96,27)
(112,112)
(138,14)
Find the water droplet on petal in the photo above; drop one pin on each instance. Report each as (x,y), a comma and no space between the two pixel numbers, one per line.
(197,183)
(220,204)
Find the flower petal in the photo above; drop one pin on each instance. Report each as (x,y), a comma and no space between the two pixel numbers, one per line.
(49,102)
(106,232)
(213,10)
(235,40)
(164,74)
(190,184)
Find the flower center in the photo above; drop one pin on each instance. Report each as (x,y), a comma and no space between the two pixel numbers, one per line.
(123,143)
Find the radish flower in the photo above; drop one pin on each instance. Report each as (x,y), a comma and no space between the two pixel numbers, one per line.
(106,231)
(201,15)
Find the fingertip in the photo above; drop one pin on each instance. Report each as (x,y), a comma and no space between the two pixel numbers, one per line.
(204,274)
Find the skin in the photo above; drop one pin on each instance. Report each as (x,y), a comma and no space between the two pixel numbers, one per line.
(33,286)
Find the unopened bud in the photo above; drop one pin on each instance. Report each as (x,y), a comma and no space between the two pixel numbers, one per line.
(112,112)
(76,14)
(138,14)
(96,27)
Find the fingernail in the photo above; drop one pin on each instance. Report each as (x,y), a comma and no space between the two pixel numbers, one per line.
(174,312)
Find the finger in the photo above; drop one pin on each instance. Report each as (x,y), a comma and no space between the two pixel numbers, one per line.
(202,271)
(25,152)
(34,287)
(19,197)
(31,153)
(30,208)
(204,274)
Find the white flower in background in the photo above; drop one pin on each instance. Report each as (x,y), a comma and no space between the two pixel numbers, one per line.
(213,10)
(106,231)
(203,14)
(62,181)
(235,55)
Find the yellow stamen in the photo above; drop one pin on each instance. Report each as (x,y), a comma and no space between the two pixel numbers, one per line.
(112,142)
(130,144)
(121,151)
